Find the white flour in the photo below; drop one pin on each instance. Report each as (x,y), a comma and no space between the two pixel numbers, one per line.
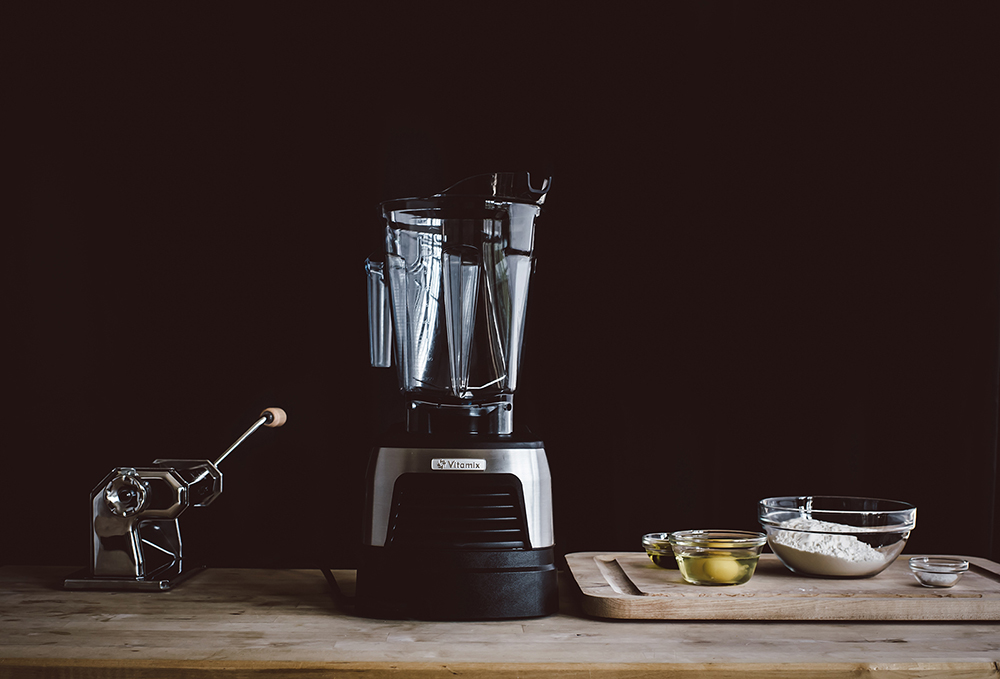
(826,553)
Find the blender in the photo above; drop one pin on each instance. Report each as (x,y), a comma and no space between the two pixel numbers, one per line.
(458,503)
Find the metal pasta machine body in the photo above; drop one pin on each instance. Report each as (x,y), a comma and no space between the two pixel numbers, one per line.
(135,537)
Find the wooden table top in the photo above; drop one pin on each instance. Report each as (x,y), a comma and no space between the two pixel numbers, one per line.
(249,623)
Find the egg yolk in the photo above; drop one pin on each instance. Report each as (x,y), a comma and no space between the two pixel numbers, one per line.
(722,569)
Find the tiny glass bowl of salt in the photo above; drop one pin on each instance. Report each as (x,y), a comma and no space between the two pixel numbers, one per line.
(938,571)
(834,536)
(717,557)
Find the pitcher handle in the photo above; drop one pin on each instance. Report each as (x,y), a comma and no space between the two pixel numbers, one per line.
(379,316)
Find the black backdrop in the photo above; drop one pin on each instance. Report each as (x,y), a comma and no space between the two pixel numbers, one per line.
(768,265)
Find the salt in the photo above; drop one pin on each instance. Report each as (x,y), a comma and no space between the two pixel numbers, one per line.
(928,579)
(932,571)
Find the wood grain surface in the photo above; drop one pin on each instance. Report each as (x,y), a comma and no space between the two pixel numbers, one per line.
(277,623)
(629,585)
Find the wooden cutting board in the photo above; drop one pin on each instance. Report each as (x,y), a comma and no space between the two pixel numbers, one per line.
(628,585)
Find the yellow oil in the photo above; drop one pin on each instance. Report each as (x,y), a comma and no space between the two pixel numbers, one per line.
(717,567)
(664,560)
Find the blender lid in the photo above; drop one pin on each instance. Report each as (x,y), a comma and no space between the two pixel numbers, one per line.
(505,187)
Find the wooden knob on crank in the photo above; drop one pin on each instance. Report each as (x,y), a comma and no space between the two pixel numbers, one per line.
(278,417)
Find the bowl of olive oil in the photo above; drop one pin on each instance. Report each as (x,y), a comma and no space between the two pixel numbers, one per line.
(717,557)
(657,546)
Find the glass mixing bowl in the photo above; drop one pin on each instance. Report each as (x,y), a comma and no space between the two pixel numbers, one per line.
(835,536)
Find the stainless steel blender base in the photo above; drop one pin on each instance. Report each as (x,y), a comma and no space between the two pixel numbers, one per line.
(473,463)
(457,532)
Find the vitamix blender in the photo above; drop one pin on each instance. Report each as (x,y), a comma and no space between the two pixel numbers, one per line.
(458,510)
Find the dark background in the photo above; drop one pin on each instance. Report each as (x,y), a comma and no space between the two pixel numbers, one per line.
(768,265)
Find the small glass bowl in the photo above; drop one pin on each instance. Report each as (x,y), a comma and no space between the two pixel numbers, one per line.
(717,557)
(938,571)
(657,546)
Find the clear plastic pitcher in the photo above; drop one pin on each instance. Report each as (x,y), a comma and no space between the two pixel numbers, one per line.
(457,267)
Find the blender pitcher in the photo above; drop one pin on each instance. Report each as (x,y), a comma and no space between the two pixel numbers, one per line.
(451,297)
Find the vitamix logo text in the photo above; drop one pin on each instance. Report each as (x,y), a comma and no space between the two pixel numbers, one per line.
(458,464)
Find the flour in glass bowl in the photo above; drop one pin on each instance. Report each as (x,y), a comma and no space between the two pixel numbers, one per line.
(834,553)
